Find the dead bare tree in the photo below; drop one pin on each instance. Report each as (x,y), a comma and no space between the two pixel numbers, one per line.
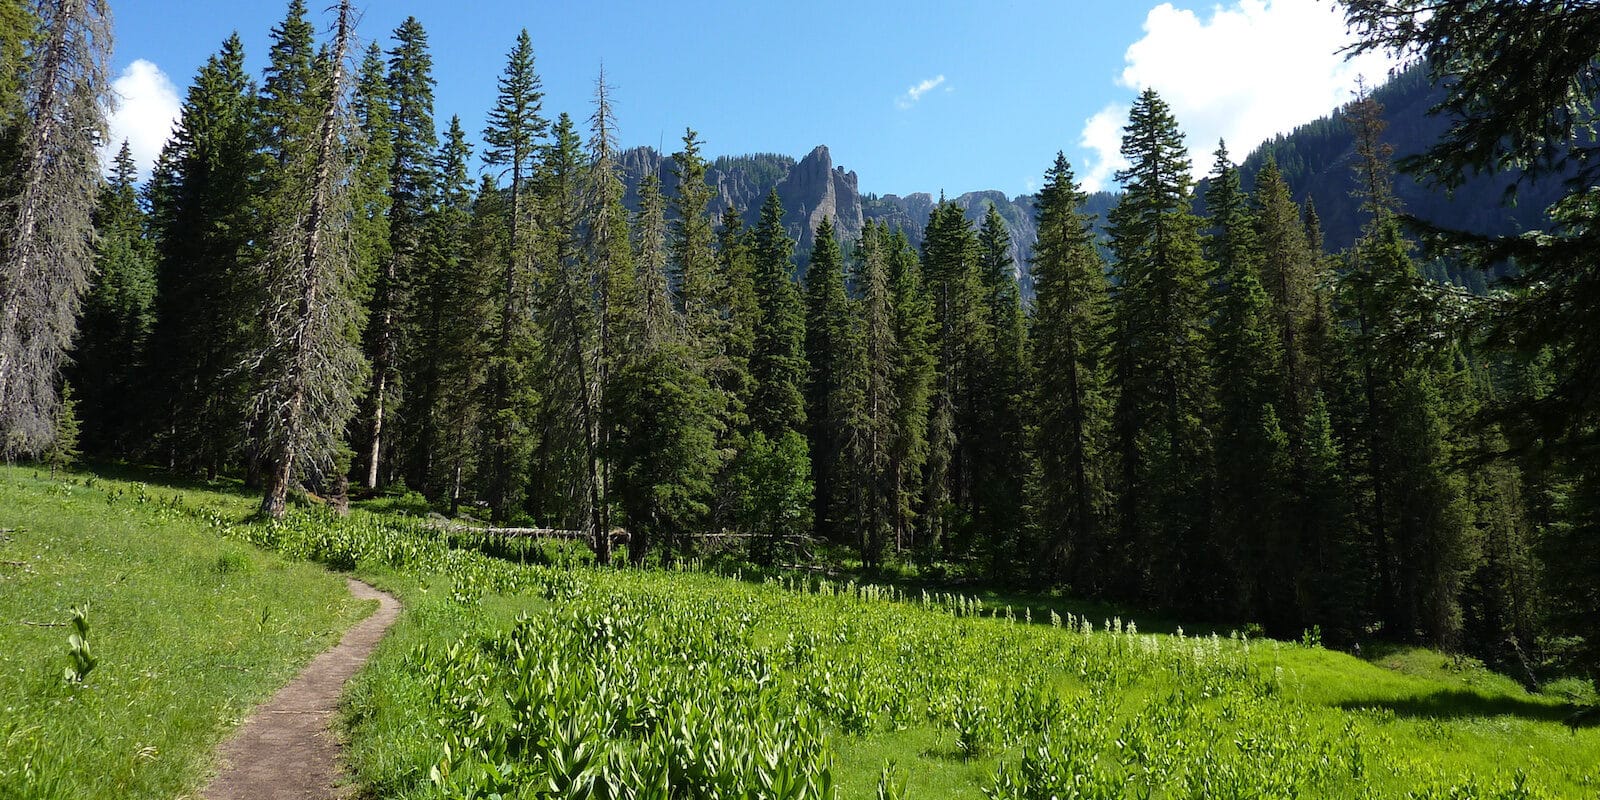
(45,254)
(312,366)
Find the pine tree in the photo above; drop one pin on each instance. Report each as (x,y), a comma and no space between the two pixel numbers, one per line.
(1252,550)
(662,439)
(777,360)
(950,268)
(1513,106)
(831,354)
(117,315)
(771,480)
(205,217)
(408,277)
(608,251)
(1070,397)
(1501,596)
(653,312)
(458,294)
(913,377)
(566,465)
(390,341)
(416,142)
(875,398)
(1232,245)
(45,256)
(1333,542)
(63,451)
(1159,363)
(371,159)
(466,399)
(1000,466)
(371,179)
(511,143)
(663,444)
(312,368)
(1415,497)
(737,312)
(1288,273)
(692,243)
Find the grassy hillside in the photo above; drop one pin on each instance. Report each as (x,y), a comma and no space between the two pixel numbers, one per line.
(188,631)
(507,677)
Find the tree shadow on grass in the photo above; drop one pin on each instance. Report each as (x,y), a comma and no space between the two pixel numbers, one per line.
(1461,704)
(139,473)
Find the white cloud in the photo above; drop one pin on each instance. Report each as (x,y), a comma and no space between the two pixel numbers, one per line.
(1102,137)
(915,93)
(1243,72)
(147,108)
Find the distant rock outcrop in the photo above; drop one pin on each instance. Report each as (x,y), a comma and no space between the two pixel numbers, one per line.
(814,187)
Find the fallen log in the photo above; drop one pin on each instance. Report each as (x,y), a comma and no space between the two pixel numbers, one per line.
(617,535)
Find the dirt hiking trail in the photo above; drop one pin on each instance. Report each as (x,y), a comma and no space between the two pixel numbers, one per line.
(286,749)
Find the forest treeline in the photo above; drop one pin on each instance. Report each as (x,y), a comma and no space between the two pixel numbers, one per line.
(321,285)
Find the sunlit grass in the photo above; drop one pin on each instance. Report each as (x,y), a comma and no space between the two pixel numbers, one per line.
(188,630)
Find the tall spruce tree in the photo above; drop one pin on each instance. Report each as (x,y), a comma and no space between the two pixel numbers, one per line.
(737,312)
(1000,481)
(1070,395)
(653,312)
(511,146)
(46,258)
(371,160)
(1255,562)
(914,365)
(1249,552)
(875,399)
(608,250)
(1159,362)
(565,467)
(458,293)
(1334,544)
(393,353)
(1288,274)
(1416,505)
(206,219)
(692,243)
(371,171)
(777,361)
(831,354)
(1516,80)
(662,439)
(289,80)
(312,369)
(950,267)
(118,312)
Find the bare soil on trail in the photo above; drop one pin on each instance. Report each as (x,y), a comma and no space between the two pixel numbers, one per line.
(287,748)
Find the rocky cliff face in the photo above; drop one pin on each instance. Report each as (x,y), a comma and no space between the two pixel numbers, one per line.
(814,187)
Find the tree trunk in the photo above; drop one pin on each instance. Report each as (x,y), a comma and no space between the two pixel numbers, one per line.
(376,446)
(340,501)
(275,502)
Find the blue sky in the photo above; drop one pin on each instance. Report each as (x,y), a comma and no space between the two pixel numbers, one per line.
(952,96)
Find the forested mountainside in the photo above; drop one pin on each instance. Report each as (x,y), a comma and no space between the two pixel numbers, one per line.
(1316,161)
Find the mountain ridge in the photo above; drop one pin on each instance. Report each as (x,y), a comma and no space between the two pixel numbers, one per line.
(1316,160)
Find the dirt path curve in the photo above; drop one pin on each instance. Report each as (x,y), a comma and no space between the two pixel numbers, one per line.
(286,750)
